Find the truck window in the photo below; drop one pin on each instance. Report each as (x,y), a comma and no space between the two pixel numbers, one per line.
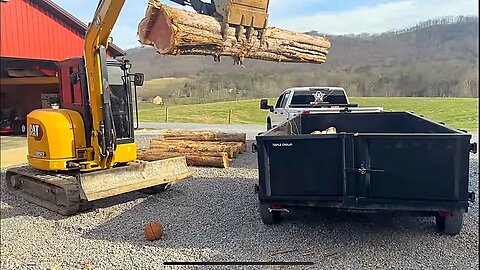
(279,101)
(308,98)
(285,100)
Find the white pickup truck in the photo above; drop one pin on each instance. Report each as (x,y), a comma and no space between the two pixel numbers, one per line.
(294,101)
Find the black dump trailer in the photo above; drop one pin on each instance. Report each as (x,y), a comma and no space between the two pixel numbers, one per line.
(387,161)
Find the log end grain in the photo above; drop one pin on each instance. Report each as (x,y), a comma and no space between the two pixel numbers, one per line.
(156,29)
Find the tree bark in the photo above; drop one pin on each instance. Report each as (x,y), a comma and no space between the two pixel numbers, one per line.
(179,32)
(195,146)
(184,151)
(192,160)
(204,136)
(237,147)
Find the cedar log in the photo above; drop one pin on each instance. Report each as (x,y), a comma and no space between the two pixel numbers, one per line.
(239,147)
(204,136)
(178,32)
(192,160)
(196,146)
(185,151)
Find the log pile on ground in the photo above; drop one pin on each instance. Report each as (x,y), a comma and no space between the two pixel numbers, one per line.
(201,148)
(178,32)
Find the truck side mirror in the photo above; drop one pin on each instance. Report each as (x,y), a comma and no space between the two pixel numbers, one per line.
(264,105)
(138,79)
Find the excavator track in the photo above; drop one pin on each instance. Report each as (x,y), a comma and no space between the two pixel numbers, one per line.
(57,192)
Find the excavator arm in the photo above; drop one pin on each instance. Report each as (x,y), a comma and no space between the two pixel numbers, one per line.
(103,138)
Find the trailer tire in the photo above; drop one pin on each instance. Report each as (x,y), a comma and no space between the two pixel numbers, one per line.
(156,189)
(451,225)
(268,217)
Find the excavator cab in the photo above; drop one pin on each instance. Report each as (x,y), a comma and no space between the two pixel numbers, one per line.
(74,94)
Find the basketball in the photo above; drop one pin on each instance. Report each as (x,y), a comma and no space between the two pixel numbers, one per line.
(153,231)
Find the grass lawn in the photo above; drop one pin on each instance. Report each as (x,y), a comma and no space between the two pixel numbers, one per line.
(455,112)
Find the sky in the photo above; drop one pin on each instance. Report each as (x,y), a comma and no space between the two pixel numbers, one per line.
(324,16)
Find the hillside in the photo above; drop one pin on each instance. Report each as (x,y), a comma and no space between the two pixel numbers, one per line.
(434,58)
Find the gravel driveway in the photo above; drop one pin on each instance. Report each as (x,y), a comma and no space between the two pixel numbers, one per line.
(213,217)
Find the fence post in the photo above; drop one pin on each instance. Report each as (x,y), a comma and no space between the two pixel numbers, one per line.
(230,112)
(166,114)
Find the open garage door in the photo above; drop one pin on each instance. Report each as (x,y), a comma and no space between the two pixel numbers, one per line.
(26,85)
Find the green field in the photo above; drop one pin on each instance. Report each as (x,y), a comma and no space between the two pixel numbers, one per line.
(456,112)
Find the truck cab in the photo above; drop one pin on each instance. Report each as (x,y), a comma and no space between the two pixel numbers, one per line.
(294,101)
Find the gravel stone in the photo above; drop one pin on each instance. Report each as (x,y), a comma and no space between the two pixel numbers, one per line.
(214,217)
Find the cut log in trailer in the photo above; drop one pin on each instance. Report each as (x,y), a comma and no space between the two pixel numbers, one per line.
(221,161)
(179,32)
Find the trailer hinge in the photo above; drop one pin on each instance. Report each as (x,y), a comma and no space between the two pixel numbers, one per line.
(345,110)
(473,148)
(254,148)
(362,170)
(471,197)
(256,189)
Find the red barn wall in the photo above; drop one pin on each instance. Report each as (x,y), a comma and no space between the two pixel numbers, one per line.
(27,31)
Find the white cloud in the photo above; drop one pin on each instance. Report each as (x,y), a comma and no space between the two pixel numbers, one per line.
(379,18)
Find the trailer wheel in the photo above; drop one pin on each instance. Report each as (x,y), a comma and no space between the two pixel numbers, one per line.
(156,189)
(268,217)
(451,224)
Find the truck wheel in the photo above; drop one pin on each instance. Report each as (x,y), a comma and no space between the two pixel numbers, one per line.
(19,128)
(269,124)
(451,224)
(156,189)
(268,217)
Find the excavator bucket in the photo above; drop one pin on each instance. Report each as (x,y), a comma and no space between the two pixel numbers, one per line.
(136,176)
(246,13)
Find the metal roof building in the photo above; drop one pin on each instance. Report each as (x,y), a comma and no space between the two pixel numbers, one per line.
(40,29)
(34,36)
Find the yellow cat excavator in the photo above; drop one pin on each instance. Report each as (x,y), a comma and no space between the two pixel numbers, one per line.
(84,150)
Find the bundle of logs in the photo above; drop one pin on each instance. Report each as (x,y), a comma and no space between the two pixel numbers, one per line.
(201,148)
(173,31)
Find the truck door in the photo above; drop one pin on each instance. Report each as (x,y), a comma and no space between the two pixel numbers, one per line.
(280,113)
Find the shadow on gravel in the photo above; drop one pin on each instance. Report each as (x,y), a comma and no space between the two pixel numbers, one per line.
(247,160)
(197,216)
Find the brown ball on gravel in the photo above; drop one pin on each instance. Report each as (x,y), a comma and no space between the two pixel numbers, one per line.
(153,231)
